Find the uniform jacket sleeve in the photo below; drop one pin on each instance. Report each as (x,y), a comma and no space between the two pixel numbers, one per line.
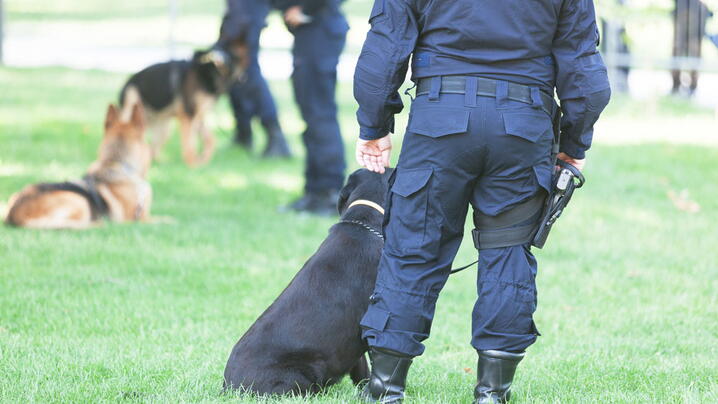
(382,66)
(581,78)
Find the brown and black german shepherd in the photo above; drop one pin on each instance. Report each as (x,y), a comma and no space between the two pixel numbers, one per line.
(185,90)
(114,187)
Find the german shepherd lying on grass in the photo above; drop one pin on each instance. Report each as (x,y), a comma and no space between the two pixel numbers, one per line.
(186,90)
(114,187)
(309,338)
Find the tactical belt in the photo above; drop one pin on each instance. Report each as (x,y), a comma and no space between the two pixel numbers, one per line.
(486,88)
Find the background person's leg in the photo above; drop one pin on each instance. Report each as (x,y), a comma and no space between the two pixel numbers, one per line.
(238,100)
(264,107)
(251,97)
(316,51)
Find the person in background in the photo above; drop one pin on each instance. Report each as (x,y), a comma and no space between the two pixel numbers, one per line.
(480,132)
(615,43)
(251,97)
(689,27)
(319,30)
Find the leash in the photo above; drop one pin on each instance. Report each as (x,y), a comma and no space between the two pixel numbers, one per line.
(378,208)
(453,271)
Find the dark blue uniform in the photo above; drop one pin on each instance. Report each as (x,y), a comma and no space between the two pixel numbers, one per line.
(250,97)
(317,46)
(492,151)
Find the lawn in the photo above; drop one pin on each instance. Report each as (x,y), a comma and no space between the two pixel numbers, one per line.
(149,313)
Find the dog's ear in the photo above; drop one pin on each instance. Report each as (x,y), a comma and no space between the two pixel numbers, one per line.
(111,116)
(345,193)
(138,118)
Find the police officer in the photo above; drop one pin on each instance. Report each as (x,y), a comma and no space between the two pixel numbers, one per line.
(251,97)
(479,133)
(319,30)
(689,28)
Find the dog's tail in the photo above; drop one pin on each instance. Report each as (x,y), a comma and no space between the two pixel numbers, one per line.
(129,97)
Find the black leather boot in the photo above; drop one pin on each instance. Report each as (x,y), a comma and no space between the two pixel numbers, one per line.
(276,143)
(243,135)
(496,372)
(388,376)
(321,203)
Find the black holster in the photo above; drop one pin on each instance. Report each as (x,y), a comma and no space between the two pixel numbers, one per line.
(565,180)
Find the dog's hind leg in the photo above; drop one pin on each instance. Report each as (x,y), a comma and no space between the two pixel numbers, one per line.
(360,372)
(160,135)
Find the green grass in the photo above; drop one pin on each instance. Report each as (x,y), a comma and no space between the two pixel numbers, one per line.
(149,313)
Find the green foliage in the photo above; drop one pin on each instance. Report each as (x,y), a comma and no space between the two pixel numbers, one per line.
(149,313)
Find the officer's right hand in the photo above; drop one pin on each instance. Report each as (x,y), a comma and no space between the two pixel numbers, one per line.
(294,17)
(570,160)
(374,154)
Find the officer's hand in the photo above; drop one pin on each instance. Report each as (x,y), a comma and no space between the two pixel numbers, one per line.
(294,17)
(374,154)
(570,160)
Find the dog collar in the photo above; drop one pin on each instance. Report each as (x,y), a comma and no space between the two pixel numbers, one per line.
(365,202)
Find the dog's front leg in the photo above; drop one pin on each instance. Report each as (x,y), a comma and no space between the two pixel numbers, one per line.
(144,202)
(208,142)
(189,142)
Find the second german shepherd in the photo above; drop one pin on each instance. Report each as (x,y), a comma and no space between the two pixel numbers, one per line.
(186,90)
(114,187)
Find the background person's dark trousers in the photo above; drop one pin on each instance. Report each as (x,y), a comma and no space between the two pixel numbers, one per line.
(316,51)
(251,98)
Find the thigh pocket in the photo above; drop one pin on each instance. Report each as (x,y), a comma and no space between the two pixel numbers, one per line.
(407,229)
(437,121)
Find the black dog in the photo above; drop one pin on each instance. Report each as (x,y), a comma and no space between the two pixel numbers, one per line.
(309,338)
(185,90)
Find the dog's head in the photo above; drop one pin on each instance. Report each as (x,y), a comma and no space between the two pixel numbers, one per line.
(124,140)
(220,66)
(364,184)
